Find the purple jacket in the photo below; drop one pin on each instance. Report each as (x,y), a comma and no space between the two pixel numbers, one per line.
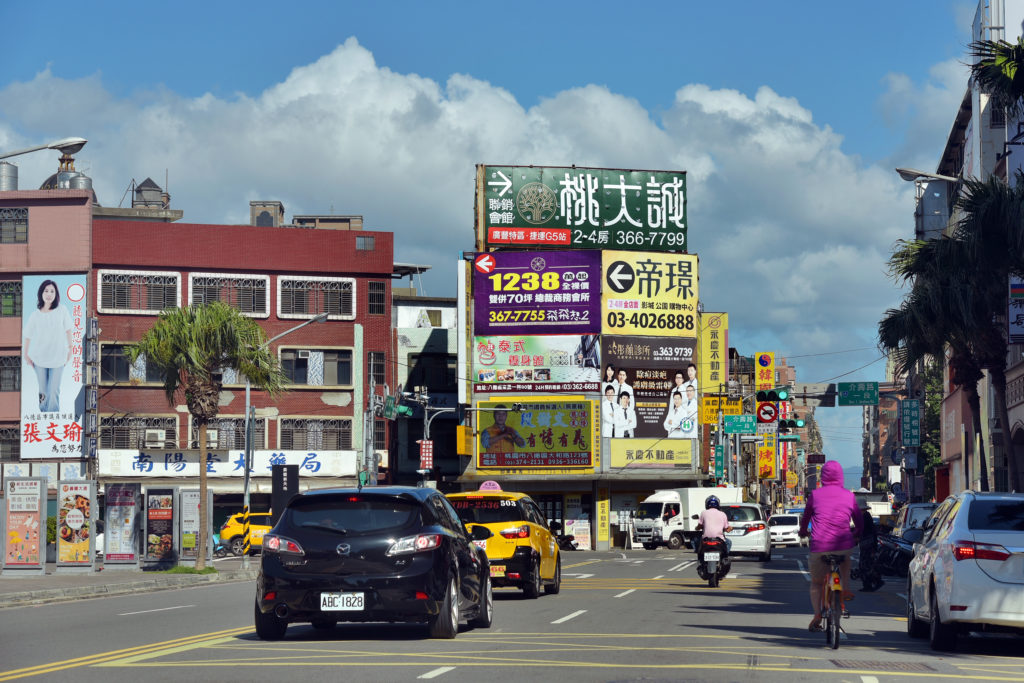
(829,510)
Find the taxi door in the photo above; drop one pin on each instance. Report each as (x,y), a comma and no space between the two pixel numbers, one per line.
(545,540)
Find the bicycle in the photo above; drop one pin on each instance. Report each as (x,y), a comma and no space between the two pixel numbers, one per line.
(833,607)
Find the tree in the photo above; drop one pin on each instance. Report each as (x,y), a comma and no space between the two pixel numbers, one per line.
(189,347)
(999,72)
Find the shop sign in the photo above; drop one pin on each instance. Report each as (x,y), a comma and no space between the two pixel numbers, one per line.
(545,433)
(536,364)
(651,454)
(766,466)
(714,350)
(136,463)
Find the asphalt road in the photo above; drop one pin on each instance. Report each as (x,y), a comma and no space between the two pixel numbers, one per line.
(638,615)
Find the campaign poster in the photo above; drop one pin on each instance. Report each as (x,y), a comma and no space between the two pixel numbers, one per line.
(52,373)
(542,364)
(75,522)
(160,525)
(25,525)
(538,434)
(537,292)
(120,534)
(649,388)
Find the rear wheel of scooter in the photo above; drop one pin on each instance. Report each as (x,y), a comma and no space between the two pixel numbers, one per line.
(713,580)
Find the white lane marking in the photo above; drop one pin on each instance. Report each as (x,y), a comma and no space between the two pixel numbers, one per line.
(638,561)
(868,679)
(570,616)
(803,571)
(659,576)
(623,555)
(578,576)
(437,672)
(676,568)
(624,593)
(731,576)
(145,611)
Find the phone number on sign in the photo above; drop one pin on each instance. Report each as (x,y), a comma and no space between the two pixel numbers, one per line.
(661,321)
(517,316)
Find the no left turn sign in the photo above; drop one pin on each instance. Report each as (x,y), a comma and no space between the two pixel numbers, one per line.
(767,412)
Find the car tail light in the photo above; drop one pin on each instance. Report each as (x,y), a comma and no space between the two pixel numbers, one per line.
(514,575)
(272,595)
(755,527)
(420,595)
(279,544)
(414,544)
(516,532)
(969,550)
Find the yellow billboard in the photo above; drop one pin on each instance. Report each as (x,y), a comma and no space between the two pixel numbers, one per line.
(650,453)
(710,405)
(537,434)
(649,294)
(713,358)
(764,370)
(766,457)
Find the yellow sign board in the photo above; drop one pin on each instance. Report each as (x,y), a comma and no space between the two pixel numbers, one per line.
(709,406)
(766,457)
(650,453)
(543,433)
(764,370)
(791,479)
(649,294)
(603,513)
(713,358)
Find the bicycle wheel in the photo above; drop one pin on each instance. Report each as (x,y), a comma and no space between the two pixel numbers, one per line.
(836,610)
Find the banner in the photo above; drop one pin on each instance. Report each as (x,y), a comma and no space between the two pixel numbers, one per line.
(649,294)
(714,351)
(120,533)
(160,525)
(52,373)
(1015,312)
(75,522)
(25,525)
(544,434)
(651,453)
(537,292)
(544,364)
(766,457)
(163,463)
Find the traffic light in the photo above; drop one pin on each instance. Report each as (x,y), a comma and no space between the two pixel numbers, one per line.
(776,394)
(786,425)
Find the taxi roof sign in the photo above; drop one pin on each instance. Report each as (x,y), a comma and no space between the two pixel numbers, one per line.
(490,485)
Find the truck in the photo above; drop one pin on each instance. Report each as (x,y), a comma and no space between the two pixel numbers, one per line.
(665,516)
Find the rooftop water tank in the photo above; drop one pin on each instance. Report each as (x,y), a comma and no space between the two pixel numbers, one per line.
(8,176)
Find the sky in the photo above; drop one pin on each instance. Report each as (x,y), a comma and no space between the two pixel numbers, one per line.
(788,118)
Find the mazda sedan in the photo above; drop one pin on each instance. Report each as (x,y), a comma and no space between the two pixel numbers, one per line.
(376,554)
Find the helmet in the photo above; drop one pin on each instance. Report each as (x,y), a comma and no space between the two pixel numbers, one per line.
(711,502)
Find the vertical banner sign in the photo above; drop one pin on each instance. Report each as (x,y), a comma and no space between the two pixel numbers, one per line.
(714,351)
(649,294)
(719,461)
(764,371)
(120,534)
(190,511)
(568,363)
(52,370)
(544,434)
(766,457)
(911,422)
(160,525)
(426,454)
(25,523)
(284,483)
(581,208)
(603,514)
(537,292)
(1015,314)
(75,525)
(764,379)
(639,383)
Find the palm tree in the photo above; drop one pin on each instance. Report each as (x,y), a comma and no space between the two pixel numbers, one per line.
(189,347)
(999,72)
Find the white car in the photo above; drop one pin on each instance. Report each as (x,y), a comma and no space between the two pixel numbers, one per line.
(967,573)
(749,533)
(785,529)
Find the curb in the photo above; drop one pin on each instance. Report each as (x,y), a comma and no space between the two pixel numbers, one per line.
(39,597)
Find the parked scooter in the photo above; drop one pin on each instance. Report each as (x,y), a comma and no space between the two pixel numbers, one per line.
(219,548)
(713,561)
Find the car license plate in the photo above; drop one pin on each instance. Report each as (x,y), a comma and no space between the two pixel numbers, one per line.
(497,571)
(341,602)
(711,557)
(735,532)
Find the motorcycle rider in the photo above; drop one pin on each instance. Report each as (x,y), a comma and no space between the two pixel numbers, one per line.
(713,523)
(869,574)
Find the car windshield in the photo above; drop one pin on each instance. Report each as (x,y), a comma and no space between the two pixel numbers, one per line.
(352,513)
(783,520)
(996,515)
(737,513)
(916,516)
(649,511)
(488,510)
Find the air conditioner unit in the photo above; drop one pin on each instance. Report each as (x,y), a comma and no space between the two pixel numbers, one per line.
(155,438)
(303,353)
(211,437)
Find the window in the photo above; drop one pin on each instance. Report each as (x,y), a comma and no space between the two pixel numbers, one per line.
(433,316)
(115,366)
(10,444)
(317,367)
(10,298)
(230,433)
(305,297)
(380,434)
(130,432)
(434,370)
(364,242)
(247,293)
(125,291)
(10,373)
(997,117)
(377,303)
(14,226)
(302,433)
(375,367)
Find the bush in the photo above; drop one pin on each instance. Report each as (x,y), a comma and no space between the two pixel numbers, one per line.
(51,529)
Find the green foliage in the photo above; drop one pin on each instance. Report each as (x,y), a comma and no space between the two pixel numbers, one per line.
(929,455)
(998,71)
(51,529)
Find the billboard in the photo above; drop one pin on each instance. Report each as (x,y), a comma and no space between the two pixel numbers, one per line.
(555,433)
(536,364)
(581,208)
(651,454)
(52,372)
(545,292)
(714,351)
(650,294)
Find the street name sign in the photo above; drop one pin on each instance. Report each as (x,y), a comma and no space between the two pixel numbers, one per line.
(858,393)
(739,424)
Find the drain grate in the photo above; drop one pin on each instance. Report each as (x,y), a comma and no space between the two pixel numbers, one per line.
(916,667)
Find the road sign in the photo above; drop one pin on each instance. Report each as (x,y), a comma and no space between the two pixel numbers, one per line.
(789,437)
(390,410)
(719,461)
(858,393)
(910,420)
(767,412)
(740,424)
(767,427)
(426,454)
(820,395)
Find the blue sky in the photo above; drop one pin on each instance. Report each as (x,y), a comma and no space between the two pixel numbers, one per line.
(788,118)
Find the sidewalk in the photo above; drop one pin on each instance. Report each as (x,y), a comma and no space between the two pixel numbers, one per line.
(18,591)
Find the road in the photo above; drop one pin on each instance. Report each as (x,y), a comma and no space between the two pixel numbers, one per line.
(634,615)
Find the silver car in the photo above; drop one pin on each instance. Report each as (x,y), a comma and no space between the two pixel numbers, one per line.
(785,529)
(749,535)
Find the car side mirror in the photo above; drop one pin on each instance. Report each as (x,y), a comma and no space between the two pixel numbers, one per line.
(695,517)
(555,526)
(913,535)
(479,533)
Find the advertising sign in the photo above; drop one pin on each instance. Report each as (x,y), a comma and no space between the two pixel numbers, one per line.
(710,405)
(552,364)
(766,457)
(910,420)
(649,370)
(651,453)
(649,294)
(120,533)
(25,523)
(1015,313)
(582,208)
(76,525)
(858,393)
(135,463)
(537,292)
(544,434)
(714,350)
(603,514)
(52,373)
(764,370)
(160,525)
(190,511)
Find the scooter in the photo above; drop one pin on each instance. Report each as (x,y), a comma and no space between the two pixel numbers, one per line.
(713,562)
(219,549)
(566,542)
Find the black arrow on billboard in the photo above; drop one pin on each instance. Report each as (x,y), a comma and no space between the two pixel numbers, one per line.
(620,277)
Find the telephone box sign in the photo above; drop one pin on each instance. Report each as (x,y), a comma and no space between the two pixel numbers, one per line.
(581,208)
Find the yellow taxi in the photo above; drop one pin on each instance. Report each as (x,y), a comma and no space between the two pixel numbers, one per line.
(523,552)
(231,531)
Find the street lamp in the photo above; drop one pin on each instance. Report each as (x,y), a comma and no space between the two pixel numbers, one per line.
(250,418)
(67,146)
(912,174)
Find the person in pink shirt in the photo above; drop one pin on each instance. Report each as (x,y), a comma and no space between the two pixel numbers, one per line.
(713,523)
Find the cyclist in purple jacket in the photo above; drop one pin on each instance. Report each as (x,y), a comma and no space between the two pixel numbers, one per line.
(830,509)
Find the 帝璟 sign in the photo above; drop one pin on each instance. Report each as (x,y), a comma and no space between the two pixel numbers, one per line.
(649,294)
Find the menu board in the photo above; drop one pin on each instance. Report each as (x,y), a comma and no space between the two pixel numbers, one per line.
(120,536)
(160,525)
(25,524)
(75,524)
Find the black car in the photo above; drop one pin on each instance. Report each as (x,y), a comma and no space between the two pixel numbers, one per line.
(376,554)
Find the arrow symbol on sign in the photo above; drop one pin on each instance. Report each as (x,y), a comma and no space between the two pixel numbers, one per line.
(485,263)
(620,280)
(505,183)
